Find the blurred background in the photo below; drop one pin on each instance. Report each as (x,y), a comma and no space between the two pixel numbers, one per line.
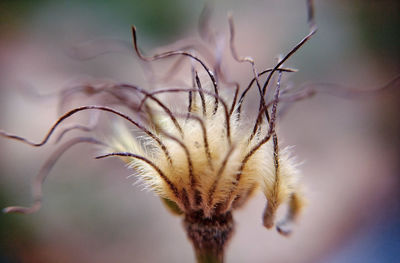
(91,211)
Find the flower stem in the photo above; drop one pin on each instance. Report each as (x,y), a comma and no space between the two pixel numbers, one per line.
(209,236)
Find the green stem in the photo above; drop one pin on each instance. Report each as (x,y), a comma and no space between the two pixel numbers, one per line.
(209,236)
(209,257)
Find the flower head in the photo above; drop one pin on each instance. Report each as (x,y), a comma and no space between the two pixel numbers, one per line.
(205,157)
(208,160)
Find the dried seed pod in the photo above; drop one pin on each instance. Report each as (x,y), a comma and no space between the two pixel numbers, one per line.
(204,161)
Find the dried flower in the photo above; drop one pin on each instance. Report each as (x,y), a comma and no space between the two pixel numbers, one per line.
(205,160)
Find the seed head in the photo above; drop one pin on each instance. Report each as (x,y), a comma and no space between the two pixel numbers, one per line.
(194,144)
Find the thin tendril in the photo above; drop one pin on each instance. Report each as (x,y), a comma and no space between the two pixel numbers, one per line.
(44,172)
(174,53)
(83,108)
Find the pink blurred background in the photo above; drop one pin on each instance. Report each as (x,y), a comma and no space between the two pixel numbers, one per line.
(91,211)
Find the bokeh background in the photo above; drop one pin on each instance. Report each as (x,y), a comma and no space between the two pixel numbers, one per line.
(91,211)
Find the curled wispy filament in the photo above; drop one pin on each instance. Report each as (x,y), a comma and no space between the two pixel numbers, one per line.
(206,159)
